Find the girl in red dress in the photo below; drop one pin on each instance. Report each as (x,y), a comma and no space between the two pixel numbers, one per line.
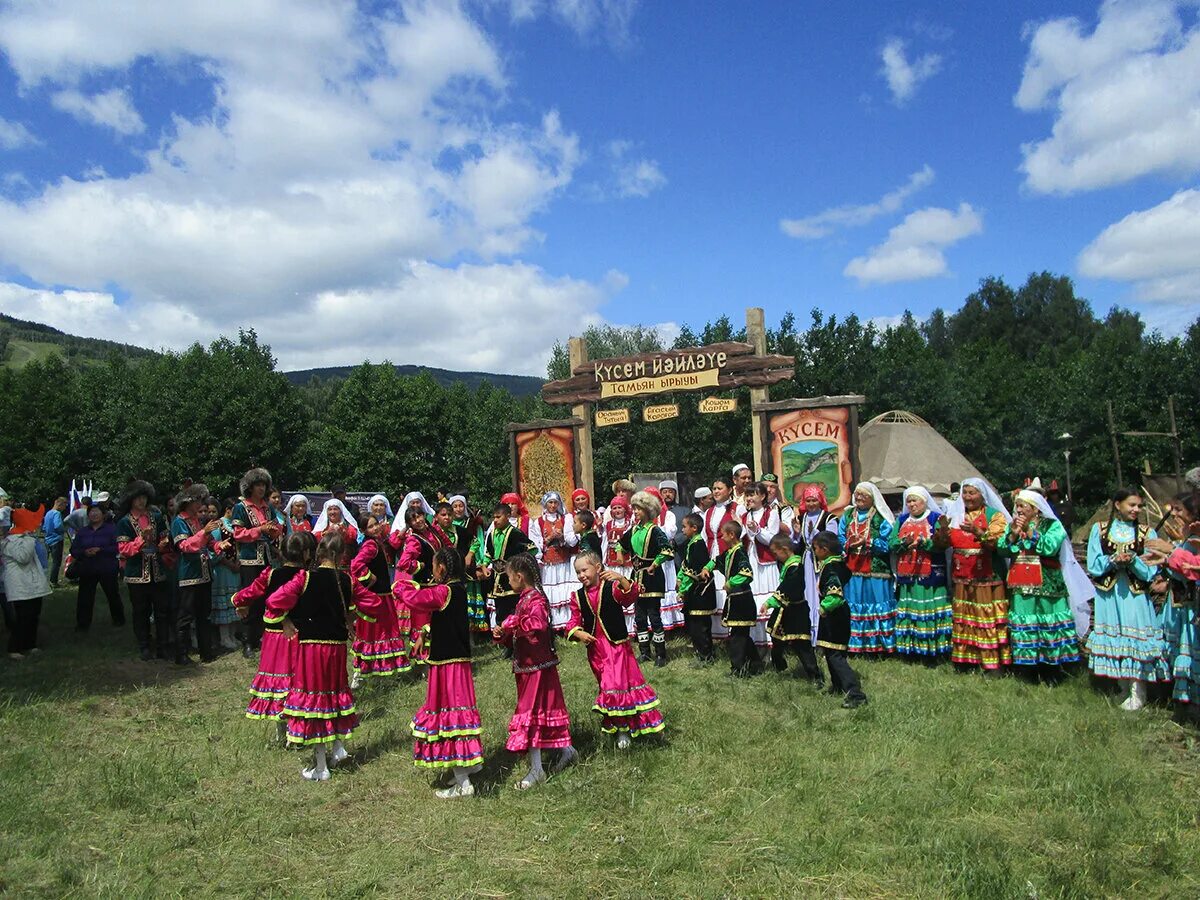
(628,704)
(540,721)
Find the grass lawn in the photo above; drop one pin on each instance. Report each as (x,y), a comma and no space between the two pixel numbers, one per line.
(121,778)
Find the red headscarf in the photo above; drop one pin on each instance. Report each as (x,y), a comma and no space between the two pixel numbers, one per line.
(515,503)
(620,501)
(814,490)
(576,494)
(662,507)
(25,521)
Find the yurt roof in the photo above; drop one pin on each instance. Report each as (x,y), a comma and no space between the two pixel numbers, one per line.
(898,449)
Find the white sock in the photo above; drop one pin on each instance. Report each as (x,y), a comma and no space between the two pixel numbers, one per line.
(281,730)
(319,763)
(462,776)
(339,751)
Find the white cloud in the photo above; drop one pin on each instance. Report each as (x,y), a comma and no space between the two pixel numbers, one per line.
(112,109)
(913,249)
(823,223)
(612,17)
(358,188)
(1157,250)
(631,177)
(14,135)
(904,77)
(1126,97)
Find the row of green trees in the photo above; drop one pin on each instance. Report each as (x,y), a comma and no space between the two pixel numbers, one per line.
(1001,378)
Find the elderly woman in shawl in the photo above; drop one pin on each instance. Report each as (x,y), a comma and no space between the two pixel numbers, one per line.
(924,617)
(1049,593)
(980,634)
(865,528)
(335,517)
(553,533)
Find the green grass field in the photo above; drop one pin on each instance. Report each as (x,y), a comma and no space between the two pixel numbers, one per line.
(127,779)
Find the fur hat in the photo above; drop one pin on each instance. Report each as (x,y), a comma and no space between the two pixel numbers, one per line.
(646,502)
(253,477)
(192,494)
(136,488)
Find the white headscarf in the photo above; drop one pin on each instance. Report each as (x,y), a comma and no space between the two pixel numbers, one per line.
(956,509)
(307,505)
(323,519)
(881,506)
(931,505)
(457,497)
(398,524)
(387,505)
(1079,587)
(554,495)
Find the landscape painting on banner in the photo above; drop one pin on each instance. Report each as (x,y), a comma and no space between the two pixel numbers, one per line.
(812,446)
(545,462)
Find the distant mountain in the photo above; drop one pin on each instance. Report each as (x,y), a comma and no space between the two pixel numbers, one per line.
(517,385)
(23,342)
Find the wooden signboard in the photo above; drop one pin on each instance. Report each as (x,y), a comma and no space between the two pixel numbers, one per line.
(611,417)
(661,412)
(718,405)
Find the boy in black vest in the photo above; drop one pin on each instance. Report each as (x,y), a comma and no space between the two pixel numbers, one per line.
(834,634)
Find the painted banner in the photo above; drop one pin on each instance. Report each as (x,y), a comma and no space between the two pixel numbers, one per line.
(661,412)
(611,417)
(545,462)
(812,446)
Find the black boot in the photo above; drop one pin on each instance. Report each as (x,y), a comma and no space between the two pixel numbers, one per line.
(644,645)
(660,649)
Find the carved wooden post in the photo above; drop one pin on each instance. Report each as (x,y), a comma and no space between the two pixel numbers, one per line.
(577,351)
(756,334)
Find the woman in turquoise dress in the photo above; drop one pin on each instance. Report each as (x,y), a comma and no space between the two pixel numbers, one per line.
(865,529)
(1180,607)
(1126,643)
(225,579)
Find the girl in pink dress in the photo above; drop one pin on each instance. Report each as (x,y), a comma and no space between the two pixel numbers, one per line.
(379,648)
(271,683)
(446,730)
(314,608)
(540,721)
(628,704)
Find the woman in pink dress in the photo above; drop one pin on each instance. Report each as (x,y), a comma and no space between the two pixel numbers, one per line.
(379,649)
(628,704)
(540,721)
(446,730)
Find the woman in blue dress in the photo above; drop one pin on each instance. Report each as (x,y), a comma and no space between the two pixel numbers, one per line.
(1127,635)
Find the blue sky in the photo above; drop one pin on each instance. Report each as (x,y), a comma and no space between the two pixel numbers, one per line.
(462,184)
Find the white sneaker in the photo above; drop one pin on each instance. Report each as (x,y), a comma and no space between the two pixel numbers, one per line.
(532,779)
(455,791)
(568,756)
(355,681)
(313,775)
(1137,697)
(338,755)
(623,741)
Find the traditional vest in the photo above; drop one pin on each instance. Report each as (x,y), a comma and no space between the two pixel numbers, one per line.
(558,553)
(916,563)
(863,560)
(193,567)
(971,561)
(450,629)
(713,528)
(381,566)
(247,515)
(426,548)
(611,614)
(763,552)
(147,566)
(278,578)
(1108,547)
(320,613)
(614,533)
(1026,570)
(590,540)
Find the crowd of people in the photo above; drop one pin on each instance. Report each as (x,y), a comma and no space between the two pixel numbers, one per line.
(327,602)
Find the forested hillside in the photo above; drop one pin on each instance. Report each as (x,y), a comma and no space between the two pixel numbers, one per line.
(1001,378)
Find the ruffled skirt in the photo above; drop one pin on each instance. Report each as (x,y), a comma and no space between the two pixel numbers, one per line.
(671,608)
(1043,630)
(1183,650)
(558,584)
(446,730)
(319,708)
(1127,638)
(625,701)
(380,648)
(980,631)
(477,608)
(924,621)
(541,718)
(271,683)
(872,603)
